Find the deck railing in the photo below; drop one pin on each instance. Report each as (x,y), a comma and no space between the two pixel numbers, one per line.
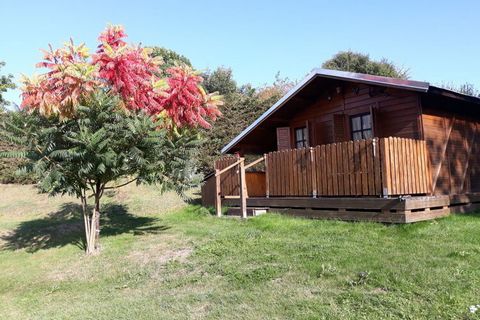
(373,167)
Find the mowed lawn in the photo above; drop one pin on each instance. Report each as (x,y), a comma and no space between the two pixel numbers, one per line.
(164,259)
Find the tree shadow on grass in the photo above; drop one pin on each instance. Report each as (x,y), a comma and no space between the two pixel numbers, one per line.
(65,226)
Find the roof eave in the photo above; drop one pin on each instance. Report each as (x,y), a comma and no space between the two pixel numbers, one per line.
(271,110)
(418,86)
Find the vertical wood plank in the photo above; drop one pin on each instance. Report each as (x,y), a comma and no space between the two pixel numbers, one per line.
(346,176)
(385,163)
(414,159)
(407,167)
(305,179)
(323,167)
(370,171)
(334,169)
(298,168)
(290,173)
(358,168)
(351,168)
(318,169)
(377,167)
(363,159)
(284,172)
(340,170)
(294,172)
(404,166)
(328,155)
(396,167)
(313,172)
(266,156)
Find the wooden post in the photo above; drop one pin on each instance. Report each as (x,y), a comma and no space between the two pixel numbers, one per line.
(218,190)
(267,185)
(243,189)
(313,173)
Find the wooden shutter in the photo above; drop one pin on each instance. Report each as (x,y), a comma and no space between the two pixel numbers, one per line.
(339,128)
(283,138)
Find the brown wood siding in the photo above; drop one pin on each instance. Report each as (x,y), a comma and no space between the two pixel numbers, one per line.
(396,113)
(453,145)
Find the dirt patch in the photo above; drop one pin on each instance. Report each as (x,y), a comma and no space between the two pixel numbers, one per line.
(160,251)
(161,256)
(380,291)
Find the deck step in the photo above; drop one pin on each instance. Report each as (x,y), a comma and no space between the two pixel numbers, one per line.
(251,211)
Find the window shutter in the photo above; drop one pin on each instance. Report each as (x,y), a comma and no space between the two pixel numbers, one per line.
(283,138)
(339,128)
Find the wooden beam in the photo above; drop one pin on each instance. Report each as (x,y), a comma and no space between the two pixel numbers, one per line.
(469,153)
(227,168)
(254,162)
(442,158)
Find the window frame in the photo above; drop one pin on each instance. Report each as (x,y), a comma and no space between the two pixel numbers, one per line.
(361,130)
(304,140)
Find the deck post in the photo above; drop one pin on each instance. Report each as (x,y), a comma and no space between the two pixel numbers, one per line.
(314,177)
(243,189)
(267,185)
(218,195)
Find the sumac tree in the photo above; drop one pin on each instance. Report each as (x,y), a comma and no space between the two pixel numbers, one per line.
(101,121)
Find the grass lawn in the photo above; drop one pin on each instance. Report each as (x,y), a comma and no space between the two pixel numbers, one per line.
(164,259)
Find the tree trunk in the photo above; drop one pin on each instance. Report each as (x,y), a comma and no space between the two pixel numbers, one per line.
(92,223)
(97,225)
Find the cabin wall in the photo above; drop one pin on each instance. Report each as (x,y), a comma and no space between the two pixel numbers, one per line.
(395,113)
(452,140)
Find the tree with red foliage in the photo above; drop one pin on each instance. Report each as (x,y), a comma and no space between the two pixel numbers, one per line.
(98,122)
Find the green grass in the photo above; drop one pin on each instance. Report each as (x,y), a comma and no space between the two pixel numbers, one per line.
(164,259)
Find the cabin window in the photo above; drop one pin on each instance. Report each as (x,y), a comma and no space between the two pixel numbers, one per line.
(361,126)
(301,137)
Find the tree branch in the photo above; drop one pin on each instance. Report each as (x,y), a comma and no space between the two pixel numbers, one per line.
(121,185)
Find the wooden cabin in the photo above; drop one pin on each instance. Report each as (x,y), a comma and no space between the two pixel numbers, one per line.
(358,147)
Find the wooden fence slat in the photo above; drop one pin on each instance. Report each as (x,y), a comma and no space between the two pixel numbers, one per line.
(370,171)
(313,172)
(299,171)
(395,164)
(413,159)
(355,168)
(291,186)
(346,182)
(358,167)
(351,168)
(284,172)
(363,157)
(308,172)
(333,150)
(340,170)
(377,167)
(323,170)
(385,162)
(427,187)
(408,166)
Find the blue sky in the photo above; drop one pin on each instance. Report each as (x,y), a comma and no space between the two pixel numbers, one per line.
(437,40)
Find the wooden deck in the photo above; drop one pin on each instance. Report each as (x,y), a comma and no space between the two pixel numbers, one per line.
(394,210)
(385,180)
